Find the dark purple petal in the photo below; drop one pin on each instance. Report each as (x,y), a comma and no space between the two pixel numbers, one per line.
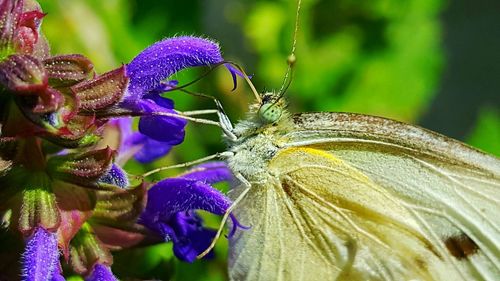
(137,145)
(185,230)
(165,103)
(165,58)
(175,195)
(191,237)
(164,87)
(151,149)
(41,257)
(115,176)
(101,273)
(211,172)
(161,128)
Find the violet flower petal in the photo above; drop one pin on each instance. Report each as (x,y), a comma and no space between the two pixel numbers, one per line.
(186,231)
(101,273)
(166,57)
(137,145)
(171,204)
(161,128)
(151,149)
(191,237)
(174,195)
(41,257)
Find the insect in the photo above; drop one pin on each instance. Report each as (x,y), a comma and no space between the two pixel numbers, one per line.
(340,196)
(343,196)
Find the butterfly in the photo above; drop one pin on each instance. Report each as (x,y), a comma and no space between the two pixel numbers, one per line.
(344,196)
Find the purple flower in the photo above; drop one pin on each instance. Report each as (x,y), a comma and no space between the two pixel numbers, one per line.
(40,260)
(146,73)
(101,273)
(171,203)
(135,144)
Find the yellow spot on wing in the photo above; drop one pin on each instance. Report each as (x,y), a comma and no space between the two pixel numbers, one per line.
(288,158)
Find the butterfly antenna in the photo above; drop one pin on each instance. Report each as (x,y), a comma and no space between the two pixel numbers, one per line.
(247,79)
(287,80)
(206,73)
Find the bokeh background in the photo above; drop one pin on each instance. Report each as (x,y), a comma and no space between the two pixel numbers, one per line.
(434,63)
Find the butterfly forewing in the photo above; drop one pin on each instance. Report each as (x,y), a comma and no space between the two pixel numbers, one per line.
(354,197)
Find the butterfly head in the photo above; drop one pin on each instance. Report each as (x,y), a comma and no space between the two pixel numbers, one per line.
(271,108)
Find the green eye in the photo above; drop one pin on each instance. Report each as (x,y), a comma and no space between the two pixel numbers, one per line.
(270,113)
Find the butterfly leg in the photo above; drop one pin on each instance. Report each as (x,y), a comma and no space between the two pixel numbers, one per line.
(247,185)
(224,122)
(220,155)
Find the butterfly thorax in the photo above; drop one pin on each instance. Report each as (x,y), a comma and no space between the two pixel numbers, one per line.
(259,139)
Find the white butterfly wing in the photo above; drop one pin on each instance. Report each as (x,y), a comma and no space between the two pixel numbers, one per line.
(421,193)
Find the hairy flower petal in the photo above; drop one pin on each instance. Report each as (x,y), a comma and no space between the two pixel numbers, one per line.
(101,273)
(169,213)
(41,256)
(165,58)
(174,195)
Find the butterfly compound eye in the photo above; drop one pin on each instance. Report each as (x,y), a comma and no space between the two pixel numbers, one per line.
(270,113)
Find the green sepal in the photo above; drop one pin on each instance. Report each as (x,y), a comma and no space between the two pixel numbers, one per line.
(82,168)
(76,204)
(115,217)
(120,205)
(87,250)
(11,183)
(39,207)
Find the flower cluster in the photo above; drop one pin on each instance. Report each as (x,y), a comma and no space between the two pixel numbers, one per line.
(61,189)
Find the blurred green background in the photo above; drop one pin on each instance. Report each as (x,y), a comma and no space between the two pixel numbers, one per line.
(429,62)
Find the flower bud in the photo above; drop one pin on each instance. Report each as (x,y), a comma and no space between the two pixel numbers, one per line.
(81,168)
(23,74)
(67,70)
(86,251)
